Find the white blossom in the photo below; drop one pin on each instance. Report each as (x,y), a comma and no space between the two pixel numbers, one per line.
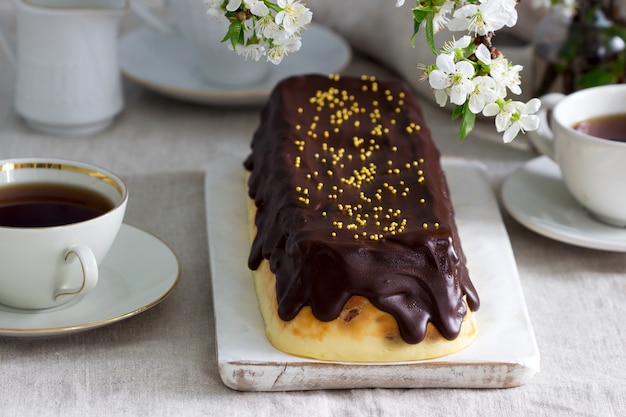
(451,47)
(399,3)
(480,19)
(267,27)
(257,7)
(484,92)
(483,54)
(514,117)
(253,51)
(282,47)
(233,5)
(275,29)
(441,19)
(452,78)
(506,76)
(294,15)
(508,7)
(214,7)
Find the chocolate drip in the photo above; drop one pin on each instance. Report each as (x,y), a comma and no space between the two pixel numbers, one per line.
(351,200)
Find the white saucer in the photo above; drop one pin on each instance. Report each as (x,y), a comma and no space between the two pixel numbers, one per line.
(167,64)
(536,196)
(138,273)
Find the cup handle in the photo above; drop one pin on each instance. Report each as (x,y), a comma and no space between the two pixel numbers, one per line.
(543,138)
(150,18)
(90,270)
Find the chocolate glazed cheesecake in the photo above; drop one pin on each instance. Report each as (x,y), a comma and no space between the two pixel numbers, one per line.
(355,249)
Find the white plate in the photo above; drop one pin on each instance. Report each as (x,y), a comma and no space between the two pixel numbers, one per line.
(505,353)
(536,196)
(167,64)
(138,273)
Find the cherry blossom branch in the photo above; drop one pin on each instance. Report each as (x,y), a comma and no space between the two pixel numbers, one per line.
(261,28)
(471,72)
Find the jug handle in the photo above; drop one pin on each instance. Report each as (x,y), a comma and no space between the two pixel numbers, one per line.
(150,18)
(8,46)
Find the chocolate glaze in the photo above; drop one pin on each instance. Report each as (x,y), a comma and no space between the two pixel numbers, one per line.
(329,235)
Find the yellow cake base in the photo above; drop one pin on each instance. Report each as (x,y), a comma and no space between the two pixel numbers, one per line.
(361,333)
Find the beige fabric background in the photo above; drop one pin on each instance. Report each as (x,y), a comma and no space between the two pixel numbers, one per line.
(163,362)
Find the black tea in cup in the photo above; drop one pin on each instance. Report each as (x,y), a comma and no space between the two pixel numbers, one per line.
(611,127)
(47,205)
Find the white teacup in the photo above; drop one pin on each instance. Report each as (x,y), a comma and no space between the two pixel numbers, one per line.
(593,168)
(218,64)
(58,220)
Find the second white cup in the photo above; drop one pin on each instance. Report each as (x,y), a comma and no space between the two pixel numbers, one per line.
(218,64)
(593,167)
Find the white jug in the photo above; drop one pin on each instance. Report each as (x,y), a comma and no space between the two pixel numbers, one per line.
(65,57)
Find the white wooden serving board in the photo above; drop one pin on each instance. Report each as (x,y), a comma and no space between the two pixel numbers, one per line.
(505,353)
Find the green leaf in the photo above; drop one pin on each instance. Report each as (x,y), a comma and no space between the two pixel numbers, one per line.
(424,15)
(235,34)
(430,33)
(457,111)
(467,122)
(418,17)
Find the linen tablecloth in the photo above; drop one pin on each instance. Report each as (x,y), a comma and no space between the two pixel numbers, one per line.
(163,361)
